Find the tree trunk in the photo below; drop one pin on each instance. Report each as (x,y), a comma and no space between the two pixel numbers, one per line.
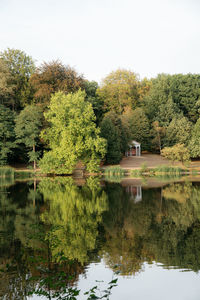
(34,162)
(159,142)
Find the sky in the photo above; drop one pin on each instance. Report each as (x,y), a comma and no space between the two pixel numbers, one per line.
(96,37)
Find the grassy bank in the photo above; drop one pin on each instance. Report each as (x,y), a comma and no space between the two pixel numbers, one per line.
(160,171)
(9,172)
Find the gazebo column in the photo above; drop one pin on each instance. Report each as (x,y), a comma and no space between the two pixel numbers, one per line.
(139,149)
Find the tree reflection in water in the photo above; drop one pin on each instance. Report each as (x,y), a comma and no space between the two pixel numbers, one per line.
(51,246)
(51,230)
(163,227)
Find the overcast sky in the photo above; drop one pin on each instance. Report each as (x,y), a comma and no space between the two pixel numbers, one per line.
(99,36)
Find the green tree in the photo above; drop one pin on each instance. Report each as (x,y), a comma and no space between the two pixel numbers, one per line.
(178,152)
(139,127)
(167,111)
(110,133)
(122,129)
(20,66)
(6,86)
(194,144)
(158,134)
(144,88)
(72,135)
(52,77)
(186,94)
(27,129)
(119,90)
(178,132)
(7,134)
(182,89)
(158,95)
(90,88)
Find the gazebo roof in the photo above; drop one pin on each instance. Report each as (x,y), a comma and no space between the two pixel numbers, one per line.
(134,143)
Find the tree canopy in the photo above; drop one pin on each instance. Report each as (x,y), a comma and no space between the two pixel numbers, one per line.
(119,90)
(194,143)
(53,77)
(72,135)
(111,134)
(20,66)
(7,134)
(27,129)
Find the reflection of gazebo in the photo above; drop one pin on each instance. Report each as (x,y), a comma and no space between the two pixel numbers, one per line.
(135,192)
(134,149)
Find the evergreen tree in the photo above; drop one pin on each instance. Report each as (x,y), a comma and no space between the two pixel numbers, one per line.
(139,127)
(166,112)
(110,133)
(92,97)
(122,130)
(178,132)
(158,133)
(7,134)
(183,89)
(194,144)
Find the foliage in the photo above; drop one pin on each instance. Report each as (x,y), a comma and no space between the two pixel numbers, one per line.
(7,134)
(158,133)
(159,171)
(173,94)
(194,143)
(52,77)
(114,174)
(163,228)
(6,86)
(27,129)
(119,90)
(122,129)
(168,170)
(178,132)
(139,127)
(92,97)
(144,88)
(111,134)
(72,135)
(6,172)
(20,66)
(178,152)
(167,112)
(74,214)
(158,228)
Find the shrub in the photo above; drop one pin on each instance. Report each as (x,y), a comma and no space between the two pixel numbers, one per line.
(176,153)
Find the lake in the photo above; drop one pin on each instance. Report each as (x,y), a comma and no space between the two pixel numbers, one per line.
(138,239)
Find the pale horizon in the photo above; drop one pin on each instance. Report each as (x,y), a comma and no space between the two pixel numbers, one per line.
(97,37)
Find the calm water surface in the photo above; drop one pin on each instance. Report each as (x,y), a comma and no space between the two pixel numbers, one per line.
(58,233)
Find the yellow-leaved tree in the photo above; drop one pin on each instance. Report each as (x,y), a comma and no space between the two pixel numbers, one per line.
(72,135)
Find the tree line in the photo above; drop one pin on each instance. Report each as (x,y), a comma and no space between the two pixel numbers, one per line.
(53,114)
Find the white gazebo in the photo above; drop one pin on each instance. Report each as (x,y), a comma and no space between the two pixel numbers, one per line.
(134,149)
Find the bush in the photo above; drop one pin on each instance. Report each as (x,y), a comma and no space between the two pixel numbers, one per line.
(176,153)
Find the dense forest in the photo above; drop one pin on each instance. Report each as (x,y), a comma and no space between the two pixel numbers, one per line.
(52,115)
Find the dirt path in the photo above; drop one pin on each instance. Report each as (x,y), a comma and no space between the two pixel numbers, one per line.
(151,160)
